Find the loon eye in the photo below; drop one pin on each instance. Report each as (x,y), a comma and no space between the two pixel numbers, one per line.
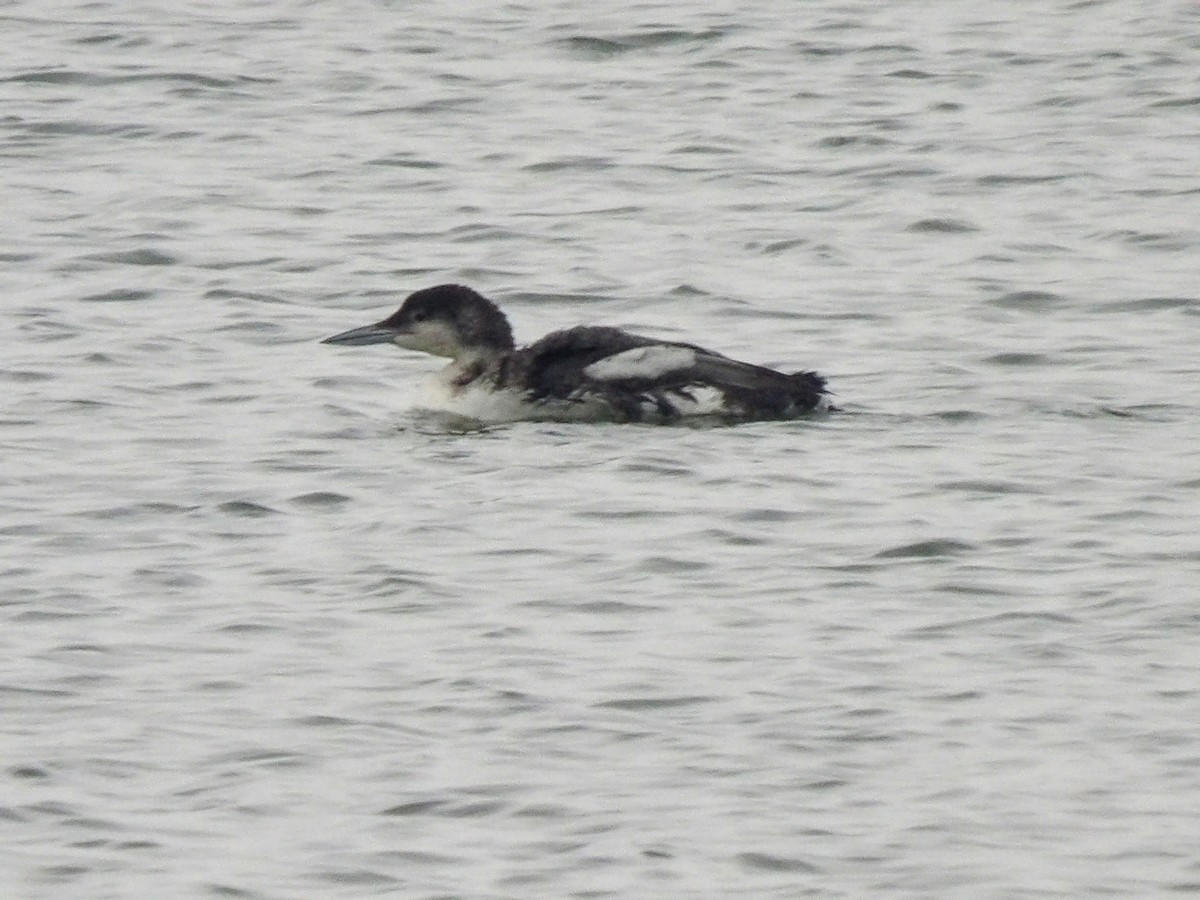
(419,316)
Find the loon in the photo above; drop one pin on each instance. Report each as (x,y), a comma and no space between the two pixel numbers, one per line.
(586,373)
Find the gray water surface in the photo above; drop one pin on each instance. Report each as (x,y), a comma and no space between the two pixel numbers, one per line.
(272,631)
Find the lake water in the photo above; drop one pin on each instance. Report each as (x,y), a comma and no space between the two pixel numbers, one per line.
(271,631)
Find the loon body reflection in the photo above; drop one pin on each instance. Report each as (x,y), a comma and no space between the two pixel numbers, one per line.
(587,373)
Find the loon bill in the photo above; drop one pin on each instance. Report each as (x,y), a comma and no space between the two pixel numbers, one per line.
(586,373)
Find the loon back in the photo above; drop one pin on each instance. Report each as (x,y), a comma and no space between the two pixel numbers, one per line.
(646,379)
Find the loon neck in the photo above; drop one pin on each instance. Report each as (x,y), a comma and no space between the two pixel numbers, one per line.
(474,363)
(479,356)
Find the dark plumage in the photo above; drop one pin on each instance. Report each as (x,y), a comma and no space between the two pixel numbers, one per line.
(587,372)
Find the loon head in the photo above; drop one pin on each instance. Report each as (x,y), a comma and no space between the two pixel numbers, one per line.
(448,320)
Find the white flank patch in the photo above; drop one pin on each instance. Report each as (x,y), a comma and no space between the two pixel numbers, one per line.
(641,362)
(482,403)
(704,400)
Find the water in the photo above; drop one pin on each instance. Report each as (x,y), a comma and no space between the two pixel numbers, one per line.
(270,632)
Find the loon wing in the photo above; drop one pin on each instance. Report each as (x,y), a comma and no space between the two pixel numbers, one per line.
(561,362)
(638,375)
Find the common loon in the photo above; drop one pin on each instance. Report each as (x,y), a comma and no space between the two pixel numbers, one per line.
(587,373)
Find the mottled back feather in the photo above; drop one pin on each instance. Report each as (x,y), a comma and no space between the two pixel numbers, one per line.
(557,367)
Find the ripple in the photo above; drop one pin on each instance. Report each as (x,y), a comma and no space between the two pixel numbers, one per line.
(841,141)
(1029,301)
(775,247)
(414,808)
(1150,240)
(29,773)
(328,499)
(1150,304)
(598,47)
(407,161)
(926,550)
(615,607)
(941,226)
(984,486)
(671,565)
(246,509)
(137,510)
(26,376)
(651,703)
(1019,359)
(1014,623)
(1176,102)
(357,878)
(765,862)
(1017,180)
(570,163)
(88,129)
(72,77)
(119,295)
(14,690)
